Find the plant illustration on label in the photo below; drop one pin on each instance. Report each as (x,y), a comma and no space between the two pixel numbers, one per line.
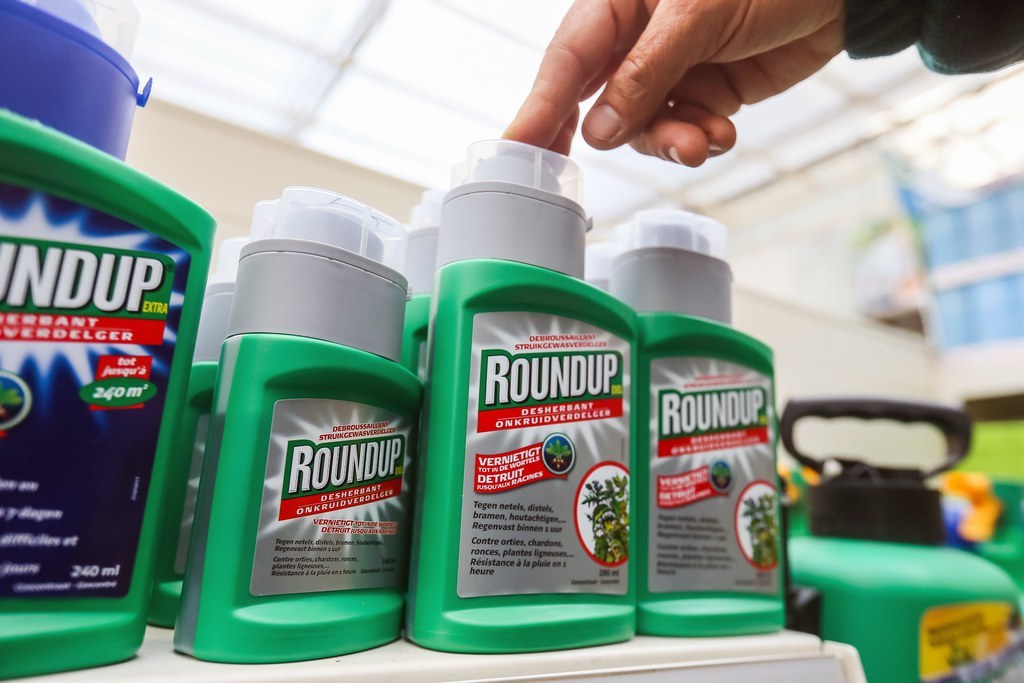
(559,454)
(757,525)
(603,499)
(15,400)
(721,476)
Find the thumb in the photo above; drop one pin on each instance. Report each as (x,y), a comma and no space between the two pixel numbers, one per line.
(676,38)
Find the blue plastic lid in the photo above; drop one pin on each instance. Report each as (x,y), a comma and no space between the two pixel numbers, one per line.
(70,69)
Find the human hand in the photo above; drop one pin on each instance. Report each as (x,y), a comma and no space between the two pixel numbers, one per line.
(673,71)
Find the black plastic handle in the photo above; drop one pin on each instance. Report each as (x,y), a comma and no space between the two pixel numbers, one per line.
(952,421)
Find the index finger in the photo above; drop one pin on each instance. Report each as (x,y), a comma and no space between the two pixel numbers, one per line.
(580,51)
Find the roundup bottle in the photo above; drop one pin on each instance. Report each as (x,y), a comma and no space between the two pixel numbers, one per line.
(708,521)
(420,263)
(914,609)
(524,513)
(102,272)
(300,535)
(190,437)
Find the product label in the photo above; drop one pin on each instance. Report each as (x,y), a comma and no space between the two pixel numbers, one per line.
(188,510)
(336,499)
(713,505)
(974,642)
(89,312)
(545,507)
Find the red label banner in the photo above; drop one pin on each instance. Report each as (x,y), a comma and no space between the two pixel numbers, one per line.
(109,367)
(84,329)
(686,488)
(720,441)
(506,471)
(113,367)
(319,503)
(545,414)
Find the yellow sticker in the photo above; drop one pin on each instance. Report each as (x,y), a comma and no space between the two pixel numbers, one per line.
(972,642)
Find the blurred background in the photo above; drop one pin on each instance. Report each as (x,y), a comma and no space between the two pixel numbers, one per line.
(876,210)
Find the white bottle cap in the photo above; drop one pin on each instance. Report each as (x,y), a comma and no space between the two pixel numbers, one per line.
(459,173)
(597,266)
(264,214)
(516,162)
(324,266)
(427,214)
(327,217)
(226,268)
(675,229)
(421,250)
(115,22)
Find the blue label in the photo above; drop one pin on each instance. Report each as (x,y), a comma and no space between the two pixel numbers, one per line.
(89,313)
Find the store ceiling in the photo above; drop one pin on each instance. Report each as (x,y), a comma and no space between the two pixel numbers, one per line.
(403,86)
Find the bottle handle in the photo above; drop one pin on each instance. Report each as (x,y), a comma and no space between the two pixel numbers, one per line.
(952,421)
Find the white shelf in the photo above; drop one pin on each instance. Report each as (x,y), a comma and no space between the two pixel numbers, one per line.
(784,657)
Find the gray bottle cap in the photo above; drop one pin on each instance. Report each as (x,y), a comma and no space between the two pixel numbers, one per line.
(673,261)
(308,289)
(515,202)
(320,272)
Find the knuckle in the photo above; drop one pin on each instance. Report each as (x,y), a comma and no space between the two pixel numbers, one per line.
(635,76)
(565,60)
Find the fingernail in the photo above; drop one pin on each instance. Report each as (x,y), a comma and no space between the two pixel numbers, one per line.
(674,155)
(603,122)
(715,149)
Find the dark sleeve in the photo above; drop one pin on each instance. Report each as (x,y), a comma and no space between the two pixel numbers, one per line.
(953,36)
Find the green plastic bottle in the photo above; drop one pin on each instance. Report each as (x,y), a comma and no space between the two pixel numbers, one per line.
(420,264)
(190,437)
(708,559)
(299,543)
(527,433)
(914,609)
(101,279)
